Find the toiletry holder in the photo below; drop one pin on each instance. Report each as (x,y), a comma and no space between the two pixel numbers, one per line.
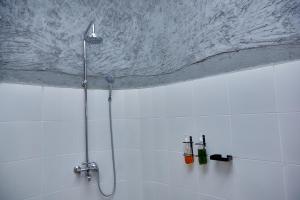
(191,143)
(218,157)
(188,154)
(203,141)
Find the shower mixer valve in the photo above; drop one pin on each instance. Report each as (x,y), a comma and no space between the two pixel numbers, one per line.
(86,167)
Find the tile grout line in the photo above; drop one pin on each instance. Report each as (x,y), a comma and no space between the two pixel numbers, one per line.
(278,124)
(230,128)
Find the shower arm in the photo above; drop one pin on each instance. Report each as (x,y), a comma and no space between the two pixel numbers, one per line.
(84,82)
(88,28)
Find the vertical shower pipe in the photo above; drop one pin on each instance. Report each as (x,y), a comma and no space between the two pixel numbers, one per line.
(84,85)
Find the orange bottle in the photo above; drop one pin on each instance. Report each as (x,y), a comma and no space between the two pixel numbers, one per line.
(188,150)
(189,159)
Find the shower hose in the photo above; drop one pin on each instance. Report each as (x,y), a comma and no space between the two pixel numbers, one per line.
(112,150)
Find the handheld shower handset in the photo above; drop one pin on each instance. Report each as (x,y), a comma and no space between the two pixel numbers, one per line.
(110,80)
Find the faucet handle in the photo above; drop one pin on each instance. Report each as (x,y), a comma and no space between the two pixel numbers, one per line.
(93,166)
(77,169)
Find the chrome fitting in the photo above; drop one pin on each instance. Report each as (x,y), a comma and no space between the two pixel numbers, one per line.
(86,167)
(84,83)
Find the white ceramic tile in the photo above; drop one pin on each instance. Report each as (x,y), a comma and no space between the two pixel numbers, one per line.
(288,86)
(216,179)
(154,133)
(131,104)
(148,191)
(135,190)
(99,135)
(97,104)
(126,133)
(88,192)
(52,107)
(155,191)
(252,91)
(63,137)
(63,104)
(181,174)
(258,180)
(145,98)
(118,104)
(72,104)
(126,190)
(289,130)
(205,197)
(148,139)
(208,197)
(292,180)
(161,191)
(20,102)
(211,96)
(177,193)
(35,198)
(21,180)
(217,131)
(58,173)
(178,128)
(153,102)
(123,192)
(155,166)
(179,99)
(159,101)
(256,136)
(70,193)
(129,165)
(20,140)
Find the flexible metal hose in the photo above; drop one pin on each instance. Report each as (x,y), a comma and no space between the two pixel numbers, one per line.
(112,150)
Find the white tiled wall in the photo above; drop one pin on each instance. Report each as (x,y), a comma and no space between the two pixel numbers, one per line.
(253,115)
(42,139)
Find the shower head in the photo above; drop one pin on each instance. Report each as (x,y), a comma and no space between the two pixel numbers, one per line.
(92,38)
(109,79)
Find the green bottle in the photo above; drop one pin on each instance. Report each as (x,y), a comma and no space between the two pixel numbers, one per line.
(202,155)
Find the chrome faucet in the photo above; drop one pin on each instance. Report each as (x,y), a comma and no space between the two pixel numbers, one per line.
(86,168)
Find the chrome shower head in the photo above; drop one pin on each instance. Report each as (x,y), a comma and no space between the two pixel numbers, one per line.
(109,79)
(92,38)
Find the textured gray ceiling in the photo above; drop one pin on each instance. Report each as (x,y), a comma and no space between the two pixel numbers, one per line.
(146,42)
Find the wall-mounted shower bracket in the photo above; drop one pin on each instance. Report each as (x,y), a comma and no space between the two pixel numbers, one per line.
(84,83)
(86,168)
